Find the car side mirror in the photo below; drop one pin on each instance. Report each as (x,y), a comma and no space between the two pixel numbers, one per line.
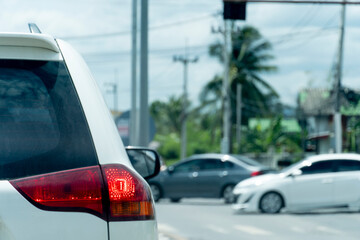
(296,173)
(146,161)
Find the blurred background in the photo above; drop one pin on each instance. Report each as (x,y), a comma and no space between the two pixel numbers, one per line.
(287,86)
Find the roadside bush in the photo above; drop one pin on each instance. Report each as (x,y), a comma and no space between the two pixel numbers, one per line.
(169,146)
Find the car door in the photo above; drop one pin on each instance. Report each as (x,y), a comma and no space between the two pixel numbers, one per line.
(235,172)
(314,186)
(180,181)
(347,181)
(210,178)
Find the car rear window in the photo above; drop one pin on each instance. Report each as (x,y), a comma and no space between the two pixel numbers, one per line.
(248,161)
(42,125)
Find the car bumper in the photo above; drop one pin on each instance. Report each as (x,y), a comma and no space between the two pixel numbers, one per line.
(245,201)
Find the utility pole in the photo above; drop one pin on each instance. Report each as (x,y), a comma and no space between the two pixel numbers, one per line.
(185,60)
(143,134)
(133,113)
(225,142)
(337,115)
(233,10)
(238,114)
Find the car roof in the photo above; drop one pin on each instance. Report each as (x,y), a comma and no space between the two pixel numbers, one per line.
(208,155)
(29,40)
(239,159)
(334,156)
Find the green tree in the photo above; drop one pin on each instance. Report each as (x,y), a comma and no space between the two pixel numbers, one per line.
(167,115)
(249,58)
(274,137)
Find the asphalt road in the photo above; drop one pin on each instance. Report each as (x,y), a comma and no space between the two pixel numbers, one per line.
(202,219)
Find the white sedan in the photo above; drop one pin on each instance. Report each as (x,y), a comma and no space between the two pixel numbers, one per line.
(322,181)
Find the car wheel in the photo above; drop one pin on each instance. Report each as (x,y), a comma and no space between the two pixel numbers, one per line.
(175,200)
(228,195)
(156,192)
(271,202)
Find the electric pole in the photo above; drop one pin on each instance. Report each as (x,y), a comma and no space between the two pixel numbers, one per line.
(238,114)
(133,113)
(143,133)
(185,60)
(337,115)
(233,10)
(225,141)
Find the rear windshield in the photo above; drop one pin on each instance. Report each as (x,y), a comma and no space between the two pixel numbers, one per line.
(248,161)
(42,125)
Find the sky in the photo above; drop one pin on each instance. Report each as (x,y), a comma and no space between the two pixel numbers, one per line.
(304,37)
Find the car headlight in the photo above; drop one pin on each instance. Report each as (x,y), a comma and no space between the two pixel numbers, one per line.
(247,184)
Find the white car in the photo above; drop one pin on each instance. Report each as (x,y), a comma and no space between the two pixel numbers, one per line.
(64,172)
(322,181)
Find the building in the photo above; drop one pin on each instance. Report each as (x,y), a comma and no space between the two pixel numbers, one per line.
(316,108)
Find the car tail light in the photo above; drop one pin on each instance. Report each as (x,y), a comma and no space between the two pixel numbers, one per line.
(122,195)
(256,173)
(129,198)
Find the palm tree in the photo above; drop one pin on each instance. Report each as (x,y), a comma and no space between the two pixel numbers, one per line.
(167,115)
(249,58)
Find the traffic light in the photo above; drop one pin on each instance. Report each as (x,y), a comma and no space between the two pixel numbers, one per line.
(234,10)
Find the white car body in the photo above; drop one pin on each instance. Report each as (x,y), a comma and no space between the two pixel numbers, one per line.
(300,191)
(20,219)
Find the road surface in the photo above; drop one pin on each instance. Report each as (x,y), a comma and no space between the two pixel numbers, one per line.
(202,219)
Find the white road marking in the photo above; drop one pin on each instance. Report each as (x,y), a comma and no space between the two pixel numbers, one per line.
(166,228)
(163,237)
(252,230)
(167,232)
(217,229)
(328,230)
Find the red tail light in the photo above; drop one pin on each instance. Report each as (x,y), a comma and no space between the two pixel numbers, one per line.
(256,173)
(124,197)
(129,198)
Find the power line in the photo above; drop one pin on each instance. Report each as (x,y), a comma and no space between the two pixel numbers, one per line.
(127,32)
(174,49)
(307,17)
(294,36)
(318,33)
(325,27)
(203,49)
(164,72)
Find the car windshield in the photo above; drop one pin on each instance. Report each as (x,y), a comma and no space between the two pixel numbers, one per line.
(292,167)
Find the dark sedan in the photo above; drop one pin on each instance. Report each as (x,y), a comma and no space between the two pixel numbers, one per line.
(204,176)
